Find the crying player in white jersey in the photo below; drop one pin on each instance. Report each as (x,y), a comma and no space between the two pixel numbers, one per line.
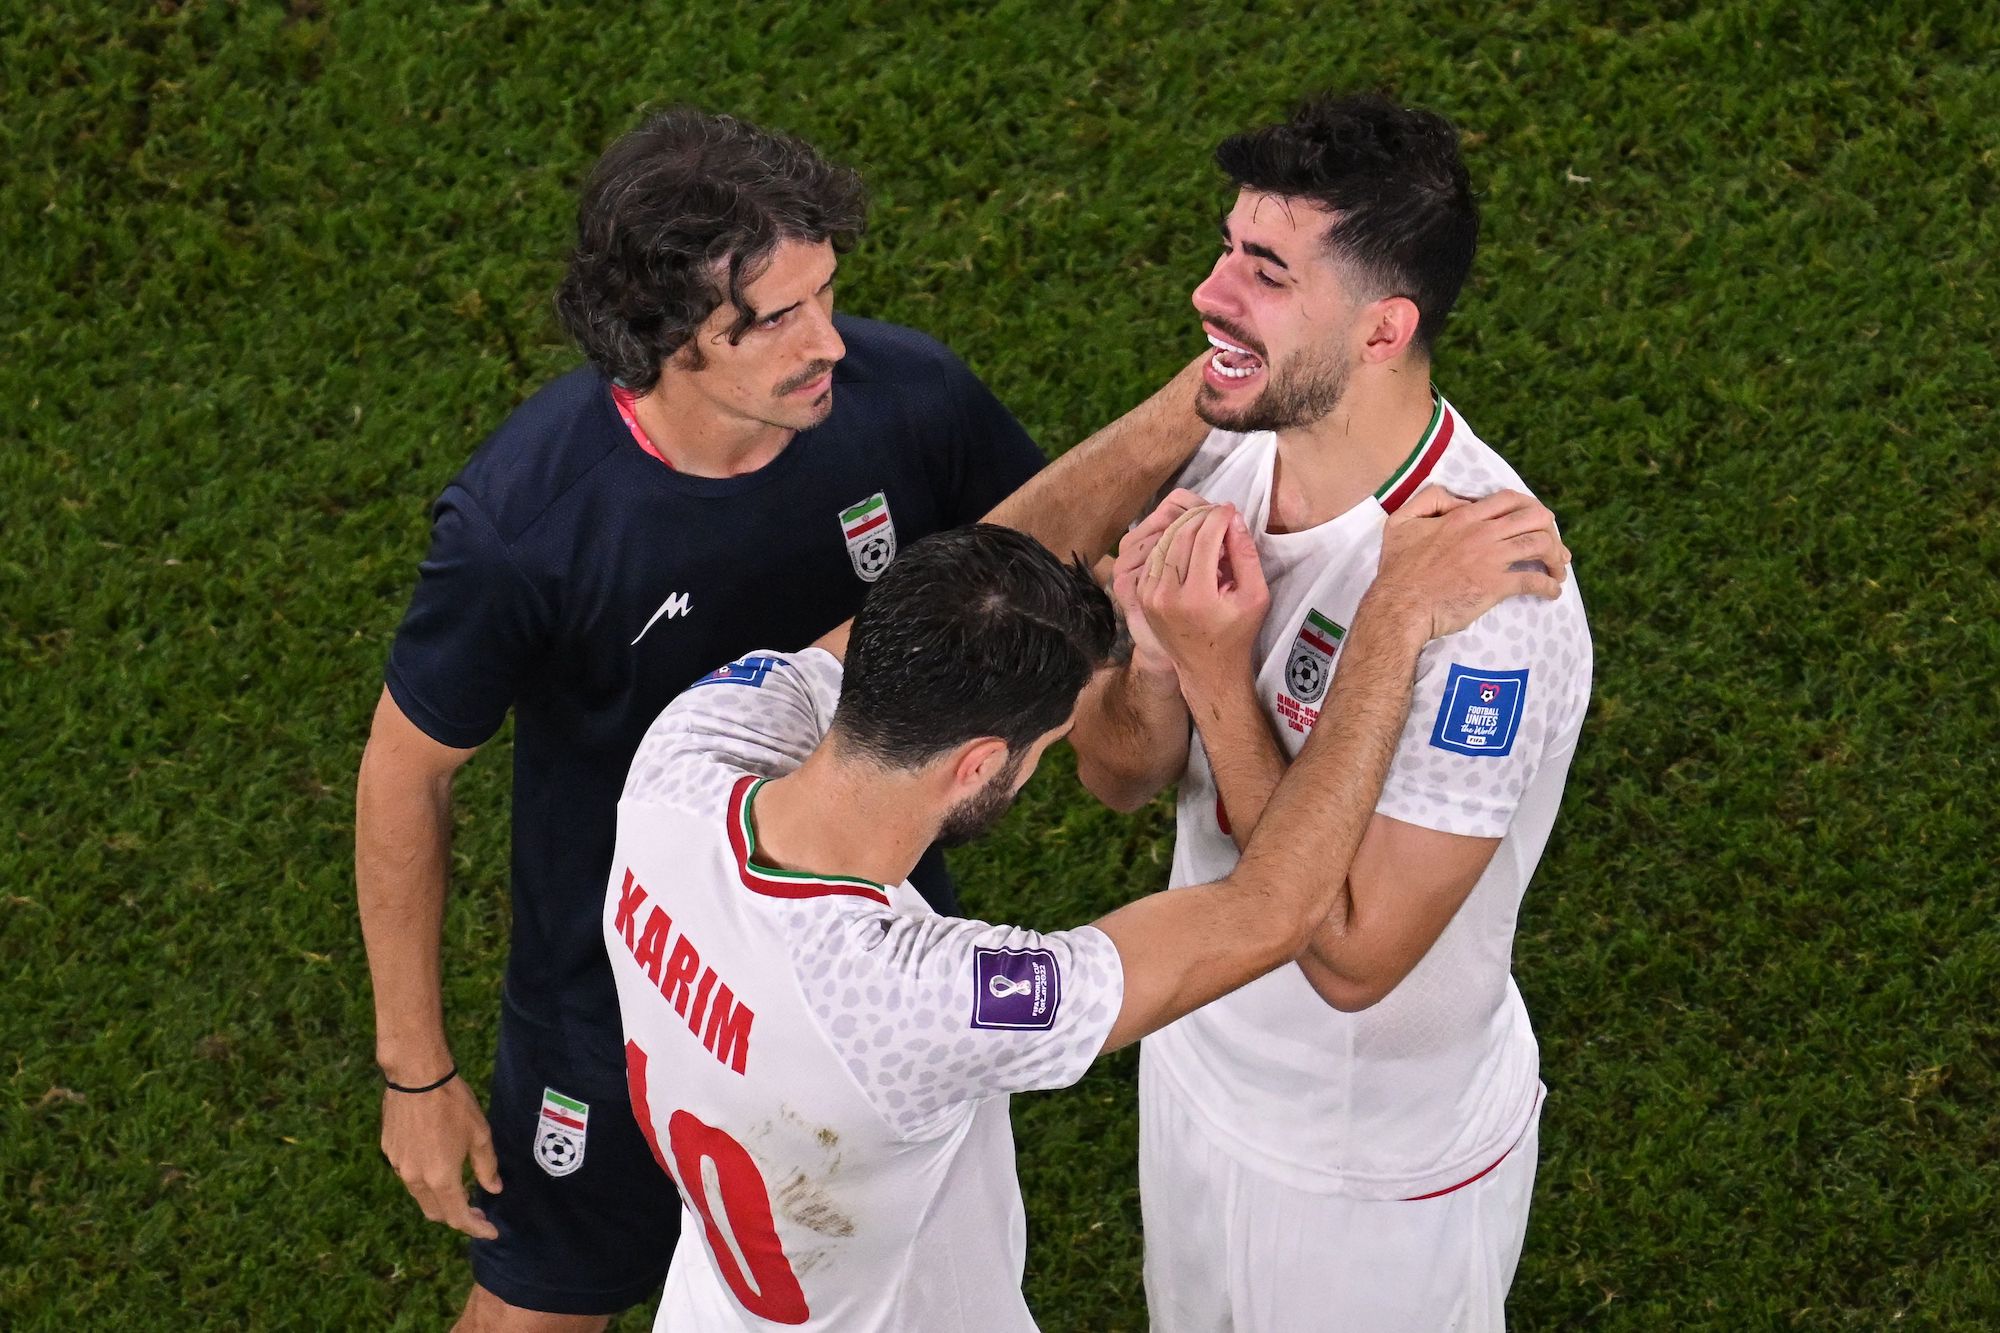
(822,1063)
(1348,1143)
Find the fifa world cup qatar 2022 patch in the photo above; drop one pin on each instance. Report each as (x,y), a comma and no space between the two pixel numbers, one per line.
(560,1133)
(1481,711)
(750,671)
(1015,988)
(871,536)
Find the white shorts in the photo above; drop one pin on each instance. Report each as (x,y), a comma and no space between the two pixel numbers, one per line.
(1229,1250)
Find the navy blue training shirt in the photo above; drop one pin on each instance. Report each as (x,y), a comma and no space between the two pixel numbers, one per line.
(583,583)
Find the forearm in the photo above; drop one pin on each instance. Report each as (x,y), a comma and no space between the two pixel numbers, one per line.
(1312,824)
(1131,735)
(401,859)
(1081,503)
(1184,948)
(1243,754)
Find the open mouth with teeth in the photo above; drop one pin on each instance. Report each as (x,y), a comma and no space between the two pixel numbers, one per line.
(1231,364)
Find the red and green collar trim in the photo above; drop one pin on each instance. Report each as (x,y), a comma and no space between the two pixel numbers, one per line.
(1416,469)
(783,883)
(624,400)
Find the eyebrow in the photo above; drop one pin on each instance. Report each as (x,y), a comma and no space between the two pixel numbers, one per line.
(1252,248)
(759,316)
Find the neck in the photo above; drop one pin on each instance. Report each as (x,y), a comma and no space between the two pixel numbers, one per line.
(697,438)
(1327,467)
(833,817)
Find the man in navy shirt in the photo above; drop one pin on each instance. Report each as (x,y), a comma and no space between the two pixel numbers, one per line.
(731,470)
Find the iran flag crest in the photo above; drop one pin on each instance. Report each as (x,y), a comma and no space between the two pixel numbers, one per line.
(1310,667)
(871,536)
(559,1134)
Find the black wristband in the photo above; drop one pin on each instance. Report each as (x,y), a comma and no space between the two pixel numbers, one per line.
(428,1087)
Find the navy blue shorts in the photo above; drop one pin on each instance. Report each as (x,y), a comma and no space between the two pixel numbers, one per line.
(587,1218)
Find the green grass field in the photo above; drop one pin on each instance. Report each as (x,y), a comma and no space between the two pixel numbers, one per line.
(272,271)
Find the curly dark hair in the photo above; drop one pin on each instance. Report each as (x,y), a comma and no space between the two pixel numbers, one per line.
(1408,221)
(677,217)
(977,631)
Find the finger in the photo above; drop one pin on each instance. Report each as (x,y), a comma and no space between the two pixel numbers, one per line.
(1180,541)
(1534,583)
(1205,548)
(1503,502)
(479,1225)
(486,1163)
(1164,555)
(1429,502)
(1245,568)
(1540,547)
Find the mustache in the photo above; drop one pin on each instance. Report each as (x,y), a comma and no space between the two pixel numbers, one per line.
(804,377)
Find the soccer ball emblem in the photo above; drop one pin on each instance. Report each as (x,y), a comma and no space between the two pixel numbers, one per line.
(873,555)
(1306,674)
(560,1151)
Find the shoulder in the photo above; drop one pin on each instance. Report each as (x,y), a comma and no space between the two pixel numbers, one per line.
(884,353)
(1472,467)
(547,447)
(761,714)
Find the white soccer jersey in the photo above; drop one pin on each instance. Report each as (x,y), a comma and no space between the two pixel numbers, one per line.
(1433,1084)
(822,1064)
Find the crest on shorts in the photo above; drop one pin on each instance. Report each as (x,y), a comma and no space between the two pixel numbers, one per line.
(1309,669)
(559,1134)
(871,536)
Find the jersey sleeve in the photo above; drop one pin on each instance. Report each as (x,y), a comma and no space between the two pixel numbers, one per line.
(996,457)
(931,1012)
(1489,703)
(473,627)
(762,714)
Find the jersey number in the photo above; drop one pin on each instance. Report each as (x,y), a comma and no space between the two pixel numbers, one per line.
(743,1238)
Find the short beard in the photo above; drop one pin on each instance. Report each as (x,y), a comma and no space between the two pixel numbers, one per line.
(1304,393)
(975,816)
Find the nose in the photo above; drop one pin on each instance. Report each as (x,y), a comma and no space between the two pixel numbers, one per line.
(1213,296)
(827,344)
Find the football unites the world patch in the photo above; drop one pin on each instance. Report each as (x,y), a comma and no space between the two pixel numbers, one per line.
(750,671)
(560,1133)
(1015,988)
(871,536)
(1309,669)
(1481,711)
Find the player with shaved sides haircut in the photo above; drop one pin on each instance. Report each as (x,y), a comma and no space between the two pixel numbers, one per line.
(821,1062)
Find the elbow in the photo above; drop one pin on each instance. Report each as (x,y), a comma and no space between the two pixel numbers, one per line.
(1124,792)
(1351,997)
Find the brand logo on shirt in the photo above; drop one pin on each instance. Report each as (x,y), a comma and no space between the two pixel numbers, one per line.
(676,605)
(1015,988)
(1481,711)
(871,536)
(560,1132)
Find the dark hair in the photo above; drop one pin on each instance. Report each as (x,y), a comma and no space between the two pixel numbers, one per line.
(678,215)
(1407,219)
(975,632)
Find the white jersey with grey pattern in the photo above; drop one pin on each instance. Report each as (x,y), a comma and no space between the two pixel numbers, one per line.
(1431,1085)
(858,1164)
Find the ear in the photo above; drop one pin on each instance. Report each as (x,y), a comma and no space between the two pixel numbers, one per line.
(1390,326)
(975,764)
